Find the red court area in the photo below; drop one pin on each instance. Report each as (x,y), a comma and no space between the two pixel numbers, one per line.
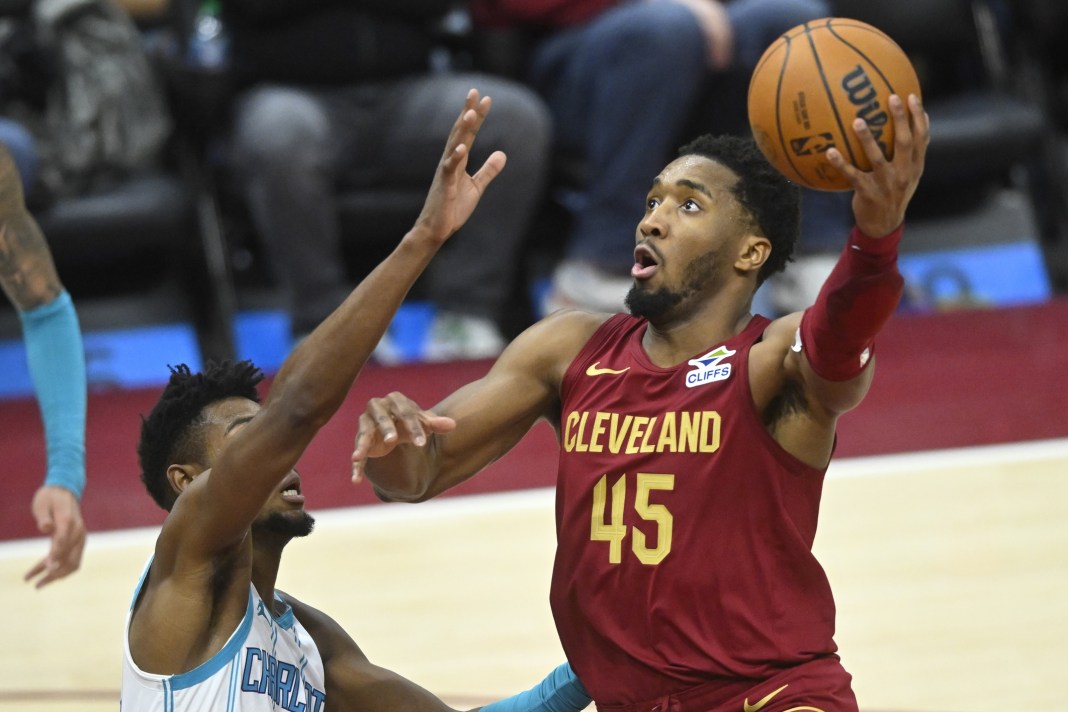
(944,380)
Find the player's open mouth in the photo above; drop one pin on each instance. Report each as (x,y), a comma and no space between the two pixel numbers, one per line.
(291,489)
(645,263)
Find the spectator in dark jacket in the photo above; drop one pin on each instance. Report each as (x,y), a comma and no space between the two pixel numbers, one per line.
(341,94)
(627,82)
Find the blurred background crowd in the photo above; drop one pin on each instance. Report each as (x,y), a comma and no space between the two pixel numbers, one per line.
(214,175)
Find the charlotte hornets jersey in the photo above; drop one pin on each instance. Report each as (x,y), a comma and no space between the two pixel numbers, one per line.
(684,529)
(269,663)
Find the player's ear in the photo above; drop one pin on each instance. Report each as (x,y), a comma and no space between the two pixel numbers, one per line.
(754,251)
(181,476)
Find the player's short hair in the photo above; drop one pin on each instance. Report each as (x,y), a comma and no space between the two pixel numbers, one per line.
(772,200)
(171,432)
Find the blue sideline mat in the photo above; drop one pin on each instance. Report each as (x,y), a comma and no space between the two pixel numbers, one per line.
(125,358)
(138,358)
(989,275)
(1006,274)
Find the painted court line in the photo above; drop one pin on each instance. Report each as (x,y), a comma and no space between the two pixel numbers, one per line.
(525,500)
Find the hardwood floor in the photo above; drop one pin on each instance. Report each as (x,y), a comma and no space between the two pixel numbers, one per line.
(949,568)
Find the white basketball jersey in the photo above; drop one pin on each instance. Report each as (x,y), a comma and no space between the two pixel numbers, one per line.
(269,663)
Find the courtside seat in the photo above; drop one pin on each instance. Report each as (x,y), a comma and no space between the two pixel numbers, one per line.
(978,137)
(144,250)
(133,255)
(991,133)
(981,124)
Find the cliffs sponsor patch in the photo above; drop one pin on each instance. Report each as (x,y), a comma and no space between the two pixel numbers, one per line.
(709,368)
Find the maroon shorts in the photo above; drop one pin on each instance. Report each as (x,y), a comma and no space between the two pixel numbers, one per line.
(821,685)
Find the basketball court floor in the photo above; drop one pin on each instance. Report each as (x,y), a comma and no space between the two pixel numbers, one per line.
(950,570)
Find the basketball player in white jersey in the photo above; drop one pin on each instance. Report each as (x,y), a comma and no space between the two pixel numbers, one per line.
(207,630)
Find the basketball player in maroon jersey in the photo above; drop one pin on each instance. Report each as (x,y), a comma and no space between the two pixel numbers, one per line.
(694,436)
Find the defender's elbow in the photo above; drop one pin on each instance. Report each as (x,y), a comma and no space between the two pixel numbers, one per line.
(409,495)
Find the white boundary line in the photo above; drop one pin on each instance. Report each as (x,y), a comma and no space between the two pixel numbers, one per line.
(527,499)
(977,456)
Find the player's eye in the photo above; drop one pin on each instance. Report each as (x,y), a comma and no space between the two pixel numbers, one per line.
(690,206)
(651,204)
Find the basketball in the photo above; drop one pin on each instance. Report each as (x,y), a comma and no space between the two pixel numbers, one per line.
(810,85)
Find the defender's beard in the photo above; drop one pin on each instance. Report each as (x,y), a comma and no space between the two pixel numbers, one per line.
(290,524)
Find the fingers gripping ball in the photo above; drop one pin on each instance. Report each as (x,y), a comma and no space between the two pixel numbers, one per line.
(810,85)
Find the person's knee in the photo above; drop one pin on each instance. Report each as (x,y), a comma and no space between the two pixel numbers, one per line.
(279,126)
(665,35)
(757,23)
(519,122)
(769,18)
(781,15)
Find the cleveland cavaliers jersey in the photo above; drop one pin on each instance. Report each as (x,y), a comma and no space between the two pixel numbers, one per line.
(269,663)
(684,529)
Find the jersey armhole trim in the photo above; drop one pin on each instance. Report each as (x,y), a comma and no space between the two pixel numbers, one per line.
(287,618)
(220,659)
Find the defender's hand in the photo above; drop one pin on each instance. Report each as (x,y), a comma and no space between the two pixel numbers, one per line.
(58,515)
(454,194)
(392,421)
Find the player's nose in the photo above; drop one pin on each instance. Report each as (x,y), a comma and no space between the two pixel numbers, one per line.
(652,225)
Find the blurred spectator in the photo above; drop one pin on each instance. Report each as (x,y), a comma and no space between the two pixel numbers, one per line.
(76,77)
(1043,25)
(340,95)
(81,107)
(627,82)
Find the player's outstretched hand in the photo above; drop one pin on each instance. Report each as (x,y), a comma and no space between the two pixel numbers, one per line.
(58,515)
(455,193)
(881,194)
(391,421)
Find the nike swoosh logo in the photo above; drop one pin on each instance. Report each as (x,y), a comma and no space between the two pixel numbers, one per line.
(594,370)
(746,707)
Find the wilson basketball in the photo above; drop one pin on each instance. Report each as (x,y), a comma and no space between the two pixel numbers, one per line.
(810,85)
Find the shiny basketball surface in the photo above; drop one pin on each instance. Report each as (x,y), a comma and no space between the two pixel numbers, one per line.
(809,86)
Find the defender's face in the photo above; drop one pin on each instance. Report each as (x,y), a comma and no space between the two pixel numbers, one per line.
(692,223)
(226,420)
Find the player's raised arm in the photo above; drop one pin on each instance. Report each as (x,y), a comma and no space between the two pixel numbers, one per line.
(837,333)
(314,380)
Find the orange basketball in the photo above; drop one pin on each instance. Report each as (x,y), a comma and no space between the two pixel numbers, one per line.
(810,85)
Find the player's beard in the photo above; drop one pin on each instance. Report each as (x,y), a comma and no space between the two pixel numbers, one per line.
(289,524)
(653,304)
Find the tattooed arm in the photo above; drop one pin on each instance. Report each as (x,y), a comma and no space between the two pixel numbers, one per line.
(56,360)
(27,273)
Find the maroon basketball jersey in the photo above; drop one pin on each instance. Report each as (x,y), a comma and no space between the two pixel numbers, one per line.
(684,530)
